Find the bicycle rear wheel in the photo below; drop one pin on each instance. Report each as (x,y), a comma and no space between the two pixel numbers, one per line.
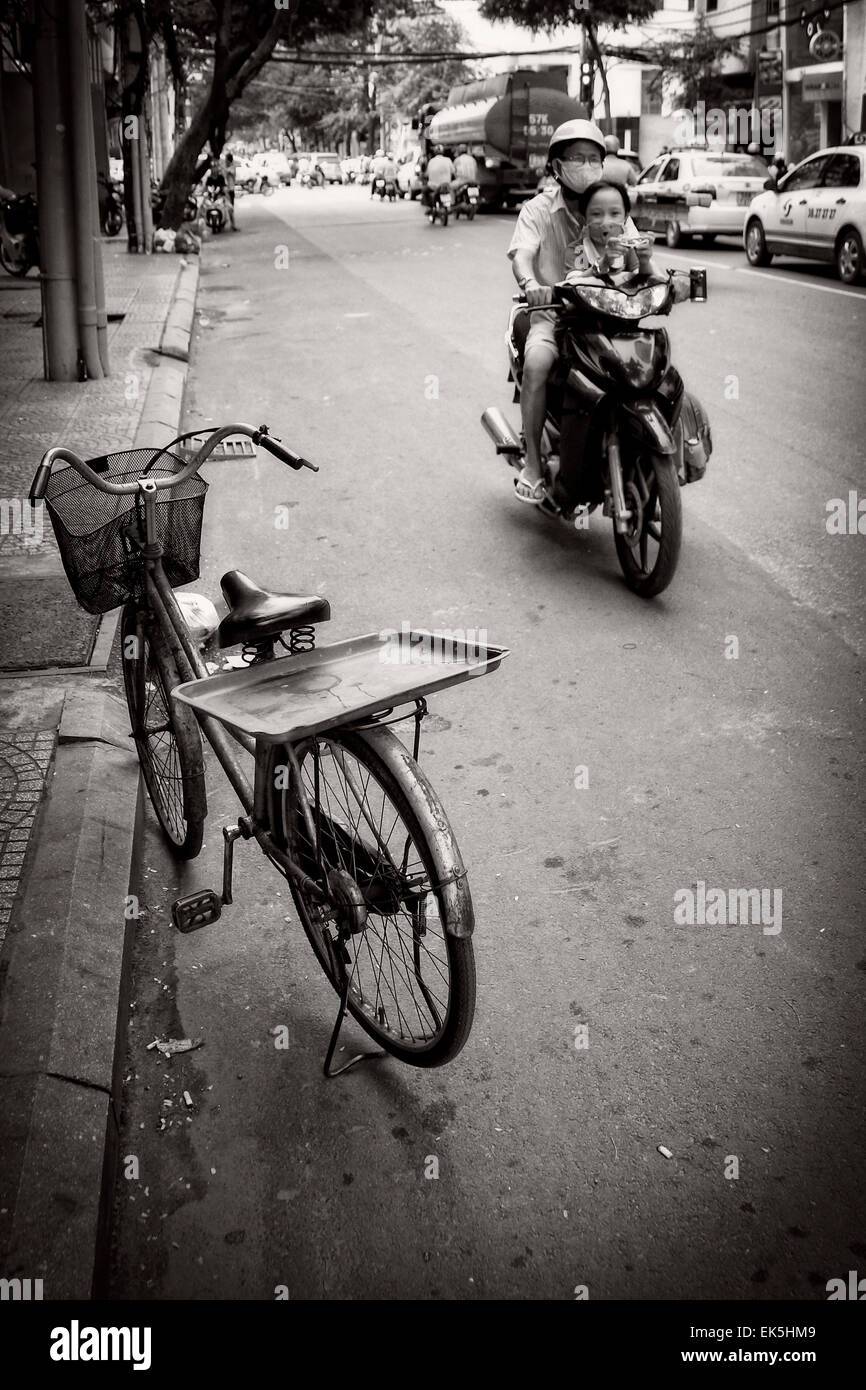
(166,734)
(381,834)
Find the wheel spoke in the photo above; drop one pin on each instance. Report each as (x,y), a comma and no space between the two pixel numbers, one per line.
(400,976)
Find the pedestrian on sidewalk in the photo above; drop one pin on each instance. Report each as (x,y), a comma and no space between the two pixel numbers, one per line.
(231,179)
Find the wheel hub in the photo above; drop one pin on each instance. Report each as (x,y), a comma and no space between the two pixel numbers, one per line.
(633,501)
(348,902)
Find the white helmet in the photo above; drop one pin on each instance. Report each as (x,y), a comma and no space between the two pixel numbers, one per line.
(575,130)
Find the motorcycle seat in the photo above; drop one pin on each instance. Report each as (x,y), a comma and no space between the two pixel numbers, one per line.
(520,329)
(256,614)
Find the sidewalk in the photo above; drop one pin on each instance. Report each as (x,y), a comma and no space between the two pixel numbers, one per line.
(68,774)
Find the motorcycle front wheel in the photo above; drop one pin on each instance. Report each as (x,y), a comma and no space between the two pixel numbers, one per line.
(14,259)
(112,222)
(648,554)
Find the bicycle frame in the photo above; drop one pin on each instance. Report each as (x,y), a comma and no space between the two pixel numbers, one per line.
(332,906)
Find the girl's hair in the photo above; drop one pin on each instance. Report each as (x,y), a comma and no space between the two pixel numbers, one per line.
(588,193)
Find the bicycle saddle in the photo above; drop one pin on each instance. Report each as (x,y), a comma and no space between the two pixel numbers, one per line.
(255,613)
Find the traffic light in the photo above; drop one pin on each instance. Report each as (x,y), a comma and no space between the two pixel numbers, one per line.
(587,81)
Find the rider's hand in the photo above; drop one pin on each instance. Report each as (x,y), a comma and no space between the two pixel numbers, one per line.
(537,295)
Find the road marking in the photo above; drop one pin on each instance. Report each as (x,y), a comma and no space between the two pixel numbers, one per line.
(769,275)
(788,280)
(702,265)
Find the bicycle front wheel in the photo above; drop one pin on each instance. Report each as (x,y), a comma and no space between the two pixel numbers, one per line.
(377,832)
(166,734)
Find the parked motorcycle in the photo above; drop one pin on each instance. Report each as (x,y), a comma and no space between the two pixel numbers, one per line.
(19,234)
(440,205)
(157,203)
(110,205)
(621,431)
(466,200)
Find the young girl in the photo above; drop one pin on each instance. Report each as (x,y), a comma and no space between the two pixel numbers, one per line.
(600,252)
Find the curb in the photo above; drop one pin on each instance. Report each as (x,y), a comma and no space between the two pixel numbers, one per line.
(68,958)
(178,325)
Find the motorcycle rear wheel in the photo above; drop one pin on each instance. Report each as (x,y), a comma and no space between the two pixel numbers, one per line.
(653,477)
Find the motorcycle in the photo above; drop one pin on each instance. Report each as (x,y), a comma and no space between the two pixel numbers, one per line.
(621,431)
(157,203)
(384,188)
(466,201)
(110,205)
(440,204)
(19,234)
(214,210)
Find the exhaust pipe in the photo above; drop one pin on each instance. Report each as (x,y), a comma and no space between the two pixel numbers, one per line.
(500,431)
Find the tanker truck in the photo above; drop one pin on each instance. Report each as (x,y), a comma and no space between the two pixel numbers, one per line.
(506,121)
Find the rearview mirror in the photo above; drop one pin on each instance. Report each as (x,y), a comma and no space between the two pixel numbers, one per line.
(697,285)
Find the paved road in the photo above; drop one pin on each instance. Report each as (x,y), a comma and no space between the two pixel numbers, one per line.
(374,353)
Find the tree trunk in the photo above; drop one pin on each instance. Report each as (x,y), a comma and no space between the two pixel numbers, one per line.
(180,175)
(592,37)
(231,73)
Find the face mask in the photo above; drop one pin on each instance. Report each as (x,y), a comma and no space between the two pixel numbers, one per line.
(577,177)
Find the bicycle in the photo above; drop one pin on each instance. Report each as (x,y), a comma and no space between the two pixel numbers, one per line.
(337,803)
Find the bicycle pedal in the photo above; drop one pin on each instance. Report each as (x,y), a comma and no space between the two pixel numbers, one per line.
(195,910)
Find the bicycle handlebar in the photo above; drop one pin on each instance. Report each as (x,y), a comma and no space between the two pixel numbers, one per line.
(91,475)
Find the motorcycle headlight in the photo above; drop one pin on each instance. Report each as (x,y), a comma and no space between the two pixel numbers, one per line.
(617,303)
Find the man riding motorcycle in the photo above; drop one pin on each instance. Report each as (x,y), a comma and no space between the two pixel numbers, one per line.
(439,171)
(547,229)
(377,169)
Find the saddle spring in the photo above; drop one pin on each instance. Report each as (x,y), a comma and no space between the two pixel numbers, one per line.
(301,639)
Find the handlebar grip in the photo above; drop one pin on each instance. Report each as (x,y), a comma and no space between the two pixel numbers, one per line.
(40,482)
(285,455)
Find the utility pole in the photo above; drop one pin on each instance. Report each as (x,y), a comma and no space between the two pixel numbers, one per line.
(88,248)
(54,195)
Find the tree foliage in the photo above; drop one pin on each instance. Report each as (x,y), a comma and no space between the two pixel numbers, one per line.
(690,64)
(327,102)
(230,41)
(547,15)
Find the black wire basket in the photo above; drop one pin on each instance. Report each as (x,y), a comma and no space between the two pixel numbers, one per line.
(103,567)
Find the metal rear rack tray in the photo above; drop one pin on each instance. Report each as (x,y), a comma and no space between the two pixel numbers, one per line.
(294,697)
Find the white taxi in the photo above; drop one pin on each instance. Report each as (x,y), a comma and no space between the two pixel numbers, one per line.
(818,211)
(703,191)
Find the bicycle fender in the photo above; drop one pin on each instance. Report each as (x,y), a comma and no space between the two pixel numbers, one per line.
(651,425)
(448,862)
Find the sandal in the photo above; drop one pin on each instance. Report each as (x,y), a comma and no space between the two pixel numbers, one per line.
(526,491)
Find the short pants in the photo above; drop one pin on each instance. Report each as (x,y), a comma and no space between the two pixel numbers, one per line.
(542,329)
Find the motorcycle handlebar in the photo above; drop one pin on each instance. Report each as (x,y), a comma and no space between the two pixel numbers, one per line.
(560,299)
(91,474)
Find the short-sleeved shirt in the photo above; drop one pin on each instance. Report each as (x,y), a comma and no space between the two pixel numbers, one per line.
(439,170)
(618,170)
(584,257)
(465,167)
(550,230)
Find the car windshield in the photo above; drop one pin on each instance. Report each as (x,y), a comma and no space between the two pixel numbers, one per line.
(743,166)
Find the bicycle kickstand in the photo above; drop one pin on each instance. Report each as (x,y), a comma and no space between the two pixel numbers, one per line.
(335,951)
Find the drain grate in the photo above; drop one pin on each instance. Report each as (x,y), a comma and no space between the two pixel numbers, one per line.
(227,449)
